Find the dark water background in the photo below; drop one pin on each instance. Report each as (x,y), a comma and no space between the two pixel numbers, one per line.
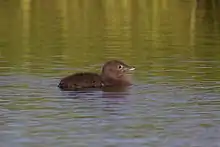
(174,45)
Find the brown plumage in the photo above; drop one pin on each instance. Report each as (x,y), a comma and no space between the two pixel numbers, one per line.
(114,73)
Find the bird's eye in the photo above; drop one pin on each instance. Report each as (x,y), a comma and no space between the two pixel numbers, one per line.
(120,67)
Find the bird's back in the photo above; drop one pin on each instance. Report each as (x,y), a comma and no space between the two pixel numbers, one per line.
(81,80)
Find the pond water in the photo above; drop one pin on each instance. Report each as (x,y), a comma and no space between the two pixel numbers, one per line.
(174,45)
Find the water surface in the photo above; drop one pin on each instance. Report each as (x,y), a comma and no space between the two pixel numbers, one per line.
(174,45)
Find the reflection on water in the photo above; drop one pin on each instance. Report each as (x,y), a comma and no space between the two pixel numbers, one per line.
(174,46)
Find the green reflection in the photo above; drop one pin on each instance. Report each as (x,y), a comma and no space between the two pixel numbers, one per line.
(38,36)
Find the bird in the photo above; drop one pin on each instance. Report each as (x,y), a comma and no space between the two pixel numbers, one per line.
(113,73)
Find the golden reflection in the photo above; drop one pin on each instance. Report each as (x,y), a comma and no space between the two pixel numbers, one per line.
(39,34)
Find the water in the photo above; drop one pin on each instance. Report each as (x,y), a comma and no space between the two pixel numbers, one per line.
(174,45)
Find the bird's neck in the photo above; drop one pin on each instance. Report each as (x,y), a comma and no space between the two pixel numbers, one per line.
(108,81)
